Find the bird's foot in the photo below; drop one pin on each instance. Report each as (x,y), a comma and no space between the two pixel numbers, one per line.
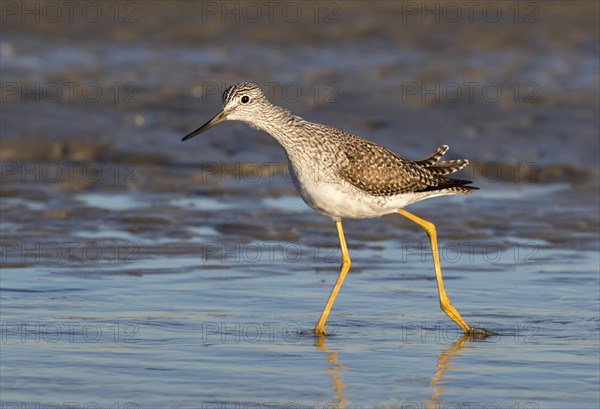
(479,334)
(317,332)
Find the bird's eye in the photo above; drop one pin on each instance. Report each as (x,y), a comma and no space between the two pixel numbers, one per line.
(245,99)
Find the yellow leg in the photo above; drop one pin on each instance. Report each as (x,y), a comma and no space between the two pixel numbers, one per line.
(444,301)
(320,327)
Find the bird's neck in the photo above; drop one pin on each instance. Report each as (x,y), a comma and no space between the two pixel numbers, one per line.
(287,129)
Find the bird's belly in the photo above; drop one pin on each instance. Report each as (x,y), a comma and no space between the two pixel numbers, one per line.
(338,199)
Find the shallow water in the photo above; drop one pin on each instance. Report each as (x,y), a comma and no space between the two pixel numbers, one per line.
(206,316)
(142,272)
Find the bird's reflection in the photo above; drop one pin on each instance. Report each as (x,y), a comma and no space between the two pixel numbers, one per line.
(444,364)
(334,371)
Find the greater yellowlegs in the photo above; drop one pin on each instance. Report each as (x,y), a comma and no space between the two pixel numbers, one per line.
(345,176)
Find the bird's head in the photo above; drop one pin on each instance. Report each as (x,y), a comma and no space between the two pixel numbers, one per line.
(241,102)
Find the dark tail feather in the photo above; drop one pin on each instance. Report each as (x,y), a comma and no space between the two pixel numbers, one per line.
(447,167)
(434,166)
(458,185)
(434,157)
(437,167)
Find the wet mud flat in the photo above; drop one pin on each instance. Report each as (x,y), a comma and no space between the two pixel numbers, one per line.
(160,207)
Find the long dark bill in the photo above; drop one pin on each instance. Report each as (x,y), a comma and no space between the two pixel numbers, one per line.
(220,117)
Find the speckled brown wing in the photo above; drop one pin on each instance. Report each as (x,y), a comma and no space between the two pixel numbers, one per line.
(381,172)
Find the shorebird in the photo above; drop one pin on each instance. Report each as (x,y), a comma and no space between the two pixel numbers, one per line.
(345,176)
